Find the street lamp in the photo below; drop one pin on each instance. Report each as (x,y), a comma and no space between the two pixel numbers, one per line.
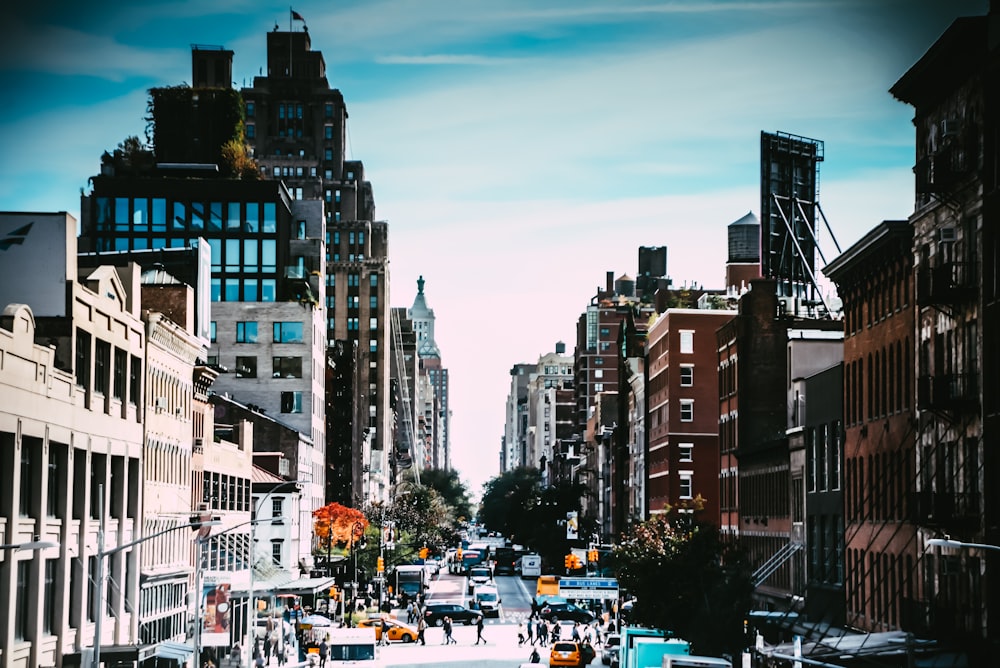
(101,553)
(30,545)
(252,612)
(958,544)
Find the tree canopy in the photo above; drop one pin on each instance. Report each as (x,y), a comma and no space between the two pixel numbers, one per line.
(687,581)
(334,524)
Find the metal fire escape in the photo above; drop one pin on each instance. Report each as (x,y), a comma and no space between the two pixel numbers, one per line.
(405,407)
(774,562)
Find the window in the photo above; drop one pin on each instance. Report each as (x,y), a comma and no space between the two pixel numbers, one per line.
(135,381)
(288,332)
(276,552)
(599,373)
(598,361)
(286,367)
(49,616)
(687,410)
(27,477)
(373,280)
(246,366)
(246,331)
(598,387)
(276,507)
(250,131)
(687,341)
(102,367)
(291,402)
(687,376)
(121,369)
(213,331)
(21,606)
(686,486)
(373,302)
(373,323)
(685,452)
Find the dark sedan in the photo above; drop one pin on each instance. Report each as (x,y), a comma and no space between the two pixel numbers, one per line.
(566,612)
(435,613)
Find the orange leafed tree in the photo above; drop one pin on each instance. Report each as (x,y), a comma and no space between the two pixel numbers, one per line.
(333,524)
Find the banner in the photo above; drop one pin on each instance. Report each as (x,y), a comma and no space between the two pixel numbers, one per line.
(217,611)
(572,526)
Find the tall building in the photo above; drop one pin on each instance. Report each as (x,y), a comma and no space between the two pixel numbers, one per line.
(514,452)
(296,126)
(423,320)
(952,89)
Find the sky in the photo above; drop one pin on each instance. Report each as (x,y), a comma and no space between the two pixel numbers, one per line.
(519,149)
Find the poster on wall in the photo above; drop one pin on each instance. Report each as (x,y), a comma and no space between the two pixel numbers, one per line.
(217,610)
(572,527)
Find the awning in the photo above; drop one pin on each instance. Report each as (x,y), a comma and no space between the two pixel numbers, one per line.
(174,651)
(307,585)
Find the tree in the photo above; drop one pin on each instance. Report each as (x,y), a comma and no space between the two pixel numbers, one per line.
(334,524)
(687,581)
(451,489)
(508,500)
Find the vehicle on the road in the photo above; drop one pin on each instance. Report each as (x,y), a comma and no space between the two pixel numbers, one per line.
(566,653)
(609,653)
(486,599)
(479,575)
(352,647)
(503,559)
(547,585)
(470,558)
(530,566)
(434,614)
(411,580)
(562,612)
(398,631)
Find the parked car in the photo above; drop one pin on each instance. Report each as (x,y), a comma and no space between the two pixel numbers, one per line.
(612,645)
(434,614)
(397,629)
(562,612)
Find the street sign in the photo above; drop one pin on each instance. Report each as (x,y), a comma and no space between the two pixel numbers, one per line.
(588,588)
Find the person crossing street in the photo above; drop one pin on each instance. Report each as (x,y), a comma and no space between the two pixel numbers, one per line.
(479,630)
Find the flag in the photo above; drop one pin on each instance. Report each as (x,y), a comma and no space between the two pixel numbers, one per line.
(296,16)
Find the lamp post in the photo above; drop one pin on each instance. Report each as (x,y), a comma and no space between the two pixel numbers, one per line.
(30,545)
(101,553)
(958,544)
(252,611)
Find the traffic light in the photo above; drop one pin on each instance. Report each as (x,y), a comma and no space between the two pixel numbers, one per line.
(424,552)
(458,554)
(380,565)
(592,556)
(576,563)
(568,561)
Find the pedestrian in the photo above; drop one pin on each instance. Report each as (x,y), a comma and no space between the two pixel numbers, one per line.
(409,612)
(520,633)
(531,631)
(543,633)
(575,635)
(556,631)
(383,636)
(324,649)
(448,639)
(259,661)
(534,658)
(421,627)
(267,650)
(479,630)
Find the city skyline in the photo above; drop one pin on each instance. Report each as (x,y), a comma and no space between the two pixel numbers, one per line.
(556,139)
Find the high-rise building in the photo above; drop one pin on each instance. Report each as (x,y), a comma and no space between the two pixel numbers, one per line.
(296,126)
(423,320)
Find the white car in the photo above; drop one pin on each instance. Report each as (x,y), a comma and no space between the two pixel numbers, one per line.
(487,599)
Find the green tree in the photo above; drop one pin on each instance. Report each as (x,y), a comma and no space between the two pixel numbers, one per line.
(687,581)
(452,490)
(508,501)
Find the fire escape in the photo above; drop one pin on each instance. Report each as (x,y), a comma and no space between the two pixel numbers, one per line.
(405,440)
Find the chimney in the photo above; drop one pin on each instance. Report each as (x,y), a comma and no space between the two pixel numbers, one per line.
(610,280)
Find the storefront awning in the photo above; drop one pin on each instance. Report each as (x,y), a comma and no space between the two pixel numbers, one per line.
(174,651)
(307,586)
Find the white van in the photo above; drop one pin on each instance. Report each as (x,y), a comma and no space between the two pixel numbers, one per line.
(531,566)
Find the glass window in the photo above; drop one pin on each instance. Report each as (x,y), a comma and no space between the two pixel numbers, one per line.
(270,217)
(246,366)
(268,255)
(246,332)
(687,342)
(372,323)
(328,154)
(288,332)
(291,402)
(328,111)
(215,216)
(21,603)
(105,215)
(232,255)
(197,216)
(252,222)
(251,290)
(233,216)
(687,376)
(216,247)
(140,215)
(251,109)
(121,213)
(140,243)
(686,452)
(373,280)
(373,347)
(286,367)
(251,131)
(231,290)
(50,618)
(251,261)
(373,301)
(159,214)
(687,410)
(179,220)
(212,331)
(686,487)
(268,290)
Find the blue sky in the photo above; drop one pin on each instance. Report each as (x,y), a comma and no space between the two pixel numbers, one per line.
(518,148)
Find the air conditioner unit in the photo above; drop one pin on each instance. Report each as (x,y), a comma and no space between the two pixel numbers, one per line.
(160,402)
(946,234)
(949,127)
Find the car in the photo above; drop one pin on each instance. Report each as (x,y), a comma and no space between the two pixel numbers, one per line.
(566,653)
(479,575)
(397,629)
(609,653)
(561,612)
(434,614)
(487,599)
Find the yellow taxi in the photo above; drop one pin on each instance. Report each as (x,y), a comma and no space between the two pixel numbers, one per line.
(398,630)
(565,654)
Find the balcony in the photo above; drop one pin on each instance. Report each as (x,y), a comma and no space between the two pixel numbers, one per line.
(947,392)
(947,283)
(950,510)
